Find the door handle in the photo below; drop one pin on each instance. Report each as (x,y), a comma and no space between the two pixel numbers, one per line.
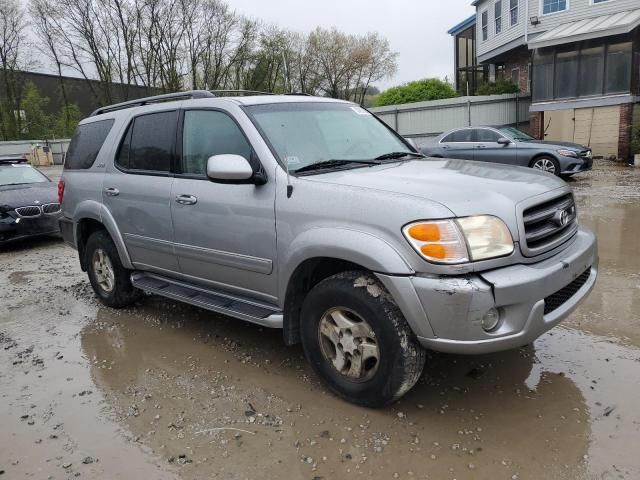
(112,192)
(481,146)
(186,199)
(445,147)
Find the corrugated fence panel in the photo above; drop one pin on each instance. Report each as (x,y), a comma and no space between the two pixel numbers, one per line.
(19,147)
(428,119)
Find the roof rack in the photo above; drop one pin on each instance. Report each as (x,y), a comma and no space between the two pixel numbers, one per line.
(300,94)
(167,97)
(240,92)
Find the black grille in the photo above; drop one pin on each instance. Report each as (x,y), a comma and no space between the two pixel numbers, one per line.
(31,211)
(557,299)
(544,225)
(51,208)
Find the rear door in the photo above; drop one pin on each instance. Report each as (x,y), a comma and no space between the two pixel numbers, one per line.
(137,190)
(458,144)
(487,148)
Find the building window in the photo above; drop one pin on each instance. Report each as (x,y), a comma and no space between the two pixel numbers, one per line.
(582,70)
(500,72)
(566,73)
(513,11)
(485,23)
(515,76)
(591,71)
(594,2)
(618,76)
(552,6)
(543,64)
(498,15)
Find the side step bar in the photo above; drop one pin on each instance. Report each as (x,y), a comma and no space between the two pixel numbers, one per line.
(249,310)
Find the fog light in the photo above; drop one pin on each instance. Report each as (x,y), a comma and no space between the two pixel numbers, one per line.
(490,319)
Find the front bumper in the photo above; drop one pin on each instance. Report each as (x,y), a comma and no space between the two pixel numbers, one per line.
(14,229)
(570,165)
(446,312)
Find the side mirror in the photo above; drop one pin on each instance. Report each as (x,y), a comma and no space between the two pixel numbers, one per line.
(229,168)
(504,141)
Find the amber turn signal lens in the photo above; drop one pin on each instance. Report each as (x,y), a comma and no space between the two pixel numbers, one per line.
(434,250)
(425,232)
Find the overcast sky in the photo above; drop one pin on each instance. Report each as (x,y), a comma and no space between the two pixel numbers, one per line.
(417,29)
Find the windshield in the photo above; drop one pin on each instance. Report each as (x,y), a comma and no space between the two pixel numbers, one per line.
(19,174)
(308,133)
(514,133)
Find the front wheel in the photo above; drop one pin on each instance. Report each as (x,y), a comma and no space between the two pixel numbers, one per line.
(546,164)
(357,340)
(108,277)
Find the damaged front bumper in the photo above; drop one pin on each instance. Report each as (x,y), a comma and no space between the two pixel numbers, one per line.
(446,313)
(13,228)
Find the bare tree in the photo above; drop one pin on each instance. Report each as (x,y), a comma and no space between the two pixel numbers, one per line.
(12,43)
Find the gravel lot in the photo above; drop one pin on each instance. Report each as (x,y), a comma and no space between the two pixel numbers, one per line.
(163,390)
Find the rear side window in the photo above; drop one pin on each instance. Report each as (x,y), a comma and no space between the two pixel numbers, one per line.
(458,136)
(86,143)
(148,143)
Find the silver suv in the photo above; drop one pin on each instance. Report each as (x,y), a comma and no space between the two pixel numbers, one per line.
(311,215)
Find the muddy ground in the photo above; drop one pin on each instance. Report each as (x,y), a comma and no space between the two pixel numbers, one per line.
(164,390)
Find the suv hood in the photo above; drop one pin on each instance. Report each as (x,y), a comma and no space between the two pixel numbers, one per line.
(464,187)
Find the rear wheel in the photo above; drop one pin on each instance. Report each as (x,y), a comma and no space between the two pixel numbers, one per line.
(546,164)
(109,279)
(357,340)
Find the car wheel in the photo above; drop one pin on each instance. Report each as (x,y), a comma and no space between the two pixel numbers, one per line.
(356,339)
(546,164)
(109,279)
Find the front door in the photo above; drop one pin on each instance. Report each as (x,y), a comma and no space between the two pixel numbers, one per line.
(225,233)
(487,148)
(137,190)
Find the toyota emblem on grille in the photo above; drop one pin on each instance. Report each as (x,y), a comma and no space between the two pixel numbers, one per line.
(561,217)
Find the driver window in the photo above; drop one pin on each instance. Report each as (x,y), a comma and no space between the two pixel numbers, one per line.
(206,133)
(484,135)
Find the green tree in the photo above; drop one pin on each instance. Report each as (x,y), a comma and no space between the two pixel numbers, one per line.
(66,121)
(416,91)
(497,88)
(37,124)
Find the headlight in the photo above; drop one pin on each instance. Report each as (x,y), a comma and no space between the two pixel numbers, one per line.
(567,153)
(460,240)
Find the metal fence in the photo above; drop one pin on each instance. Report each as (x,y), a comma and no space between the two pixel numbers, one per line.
(423,120)
(19,147)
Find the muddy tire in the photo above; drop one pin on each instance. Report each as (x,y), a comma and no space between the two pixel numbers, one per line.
(109,279)
(546,164)
(356,339)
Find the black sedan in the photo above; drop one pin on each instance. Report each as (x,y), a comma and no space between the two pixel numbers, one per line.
(28,202)
(511,146)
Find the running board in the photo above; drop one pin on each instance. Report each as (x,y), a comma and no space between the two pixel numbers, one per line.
(249,310)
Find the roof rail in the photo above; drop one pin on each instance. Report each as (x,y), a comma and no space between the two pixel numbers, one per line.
(167,97)
(241,92)
(300,94)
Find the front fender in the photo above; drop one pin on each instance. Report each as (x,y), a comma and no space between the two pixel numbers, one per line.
(90,209)
(354,246)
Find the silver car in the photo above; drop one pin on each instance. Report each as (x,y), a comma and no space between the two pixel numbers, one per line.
(310,215)
(511,146)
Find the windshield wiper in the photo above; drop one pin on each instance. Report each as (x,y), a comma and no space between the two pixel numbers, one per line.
(394,155)
(332,163)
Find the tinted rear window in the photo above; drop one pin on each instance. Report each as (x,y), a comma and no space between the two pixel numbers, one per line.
(459,136)
(148,143)
(86,143)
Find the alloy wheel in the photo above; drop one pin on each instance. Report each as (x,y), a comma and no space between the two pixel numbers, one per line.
(545,165)
(348,343)
(103,270)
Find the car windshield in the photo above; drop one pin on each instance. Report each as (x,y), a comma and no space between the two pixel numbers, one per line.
(514,133)
(20,174)
(304,134)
